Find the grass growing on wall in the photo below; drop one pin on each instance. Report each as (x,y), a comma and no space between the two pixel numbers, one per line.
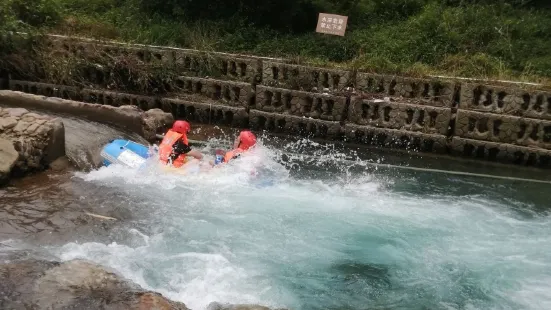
(506,39)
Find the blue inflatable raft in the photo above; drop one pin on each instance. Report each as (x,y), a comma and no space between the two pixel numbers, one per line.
(124,152)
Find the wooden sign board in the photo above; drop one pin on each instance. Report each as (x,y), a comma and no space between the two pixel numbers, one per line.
(332,24)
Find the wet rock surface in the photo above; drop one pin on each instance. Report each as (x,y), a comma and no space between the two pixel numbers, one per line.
(8,158)
(30,283)
(37,139)
(30,280)
(156,121)
(46,210)
(49,208)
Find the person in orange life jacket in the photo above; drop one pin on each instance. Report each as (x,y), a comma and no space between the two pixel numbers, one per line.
(242,143)
(175,148)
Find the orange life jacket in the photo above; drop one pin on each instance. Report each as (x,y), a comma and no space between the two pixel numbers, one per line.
(165,148)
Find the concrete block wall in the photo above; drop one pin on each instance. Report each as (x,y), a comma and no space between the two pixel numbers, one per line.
(424,91)
(300,103)
(230,93)
(396,115)
(192,62)
(305,78)
(495,122)
(510,124)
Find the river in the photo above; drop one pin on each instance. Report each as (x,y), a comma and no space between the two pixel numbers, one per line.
(316,232)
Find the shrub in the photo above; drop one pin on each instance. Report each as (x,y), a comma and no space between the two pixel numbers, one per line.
(38,13)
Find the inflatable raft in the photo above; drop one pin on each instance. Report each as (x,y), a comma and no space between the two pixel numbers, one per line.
(135,155)
(125,152)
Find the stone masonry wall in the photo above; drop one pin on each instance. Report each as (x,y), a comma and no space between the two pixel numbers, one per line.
(493,121)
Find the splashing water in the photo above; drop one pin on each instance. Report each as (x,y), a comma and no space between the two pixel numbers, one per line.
(315,231)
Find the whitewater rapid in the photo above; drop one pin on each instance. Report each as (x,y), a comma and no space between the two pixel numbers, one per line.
(323,234)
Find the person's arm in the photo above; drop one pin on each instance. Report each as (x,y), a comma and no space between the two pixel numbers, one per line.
(195,154)
(181,148)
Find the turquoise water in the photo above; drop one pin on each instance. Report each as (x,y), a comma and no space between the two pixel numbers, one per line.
(327,231)
(334,236)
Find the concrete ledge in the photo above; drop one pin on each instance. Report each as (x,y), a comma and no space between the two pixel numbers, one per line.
(507,153)
(394,138)
(126,117)
(294,125)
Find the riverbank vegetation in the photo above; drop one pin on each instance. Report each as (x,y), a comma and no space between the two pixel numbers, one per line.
(506,39)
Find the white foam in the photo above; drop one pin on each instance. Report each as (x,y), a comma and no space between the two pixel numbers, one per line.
(191,277)
(222,238)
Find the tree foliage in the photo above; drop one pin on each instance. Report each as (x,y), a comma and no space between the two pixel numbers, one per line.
(471,37)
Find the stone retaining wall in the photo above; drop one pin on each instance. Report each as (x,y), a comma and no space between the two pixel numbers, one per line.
(428,92)
(300,103)
(493,121)
(396,115)
(305,78)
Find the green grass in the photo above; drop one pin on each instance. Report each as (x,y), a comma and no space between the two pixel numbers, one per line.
(412,37)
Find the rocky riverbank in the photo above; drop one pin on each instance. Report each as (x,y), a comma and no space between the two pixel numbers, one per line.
(28,142)
(32,283)
(32,141)
(76,284)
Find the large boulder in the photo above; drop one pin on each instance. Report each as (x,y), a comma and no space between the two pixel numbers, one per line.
(156,121)
(77,284)
(38,140)
(8,158)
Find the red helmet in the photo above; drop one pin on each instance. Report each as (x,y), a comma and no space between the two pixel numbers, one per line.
(246,140)
(182,127)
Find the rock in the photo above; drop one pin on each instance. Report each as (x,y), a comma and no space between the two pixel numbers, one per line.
(43,130)
(8,158)
(32,128)
(17,112)
(129,107)
(21,127)
(76,284)
(156,121)
(30,116)
(37,143)
(56,146)
(59,164)
(7,123)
